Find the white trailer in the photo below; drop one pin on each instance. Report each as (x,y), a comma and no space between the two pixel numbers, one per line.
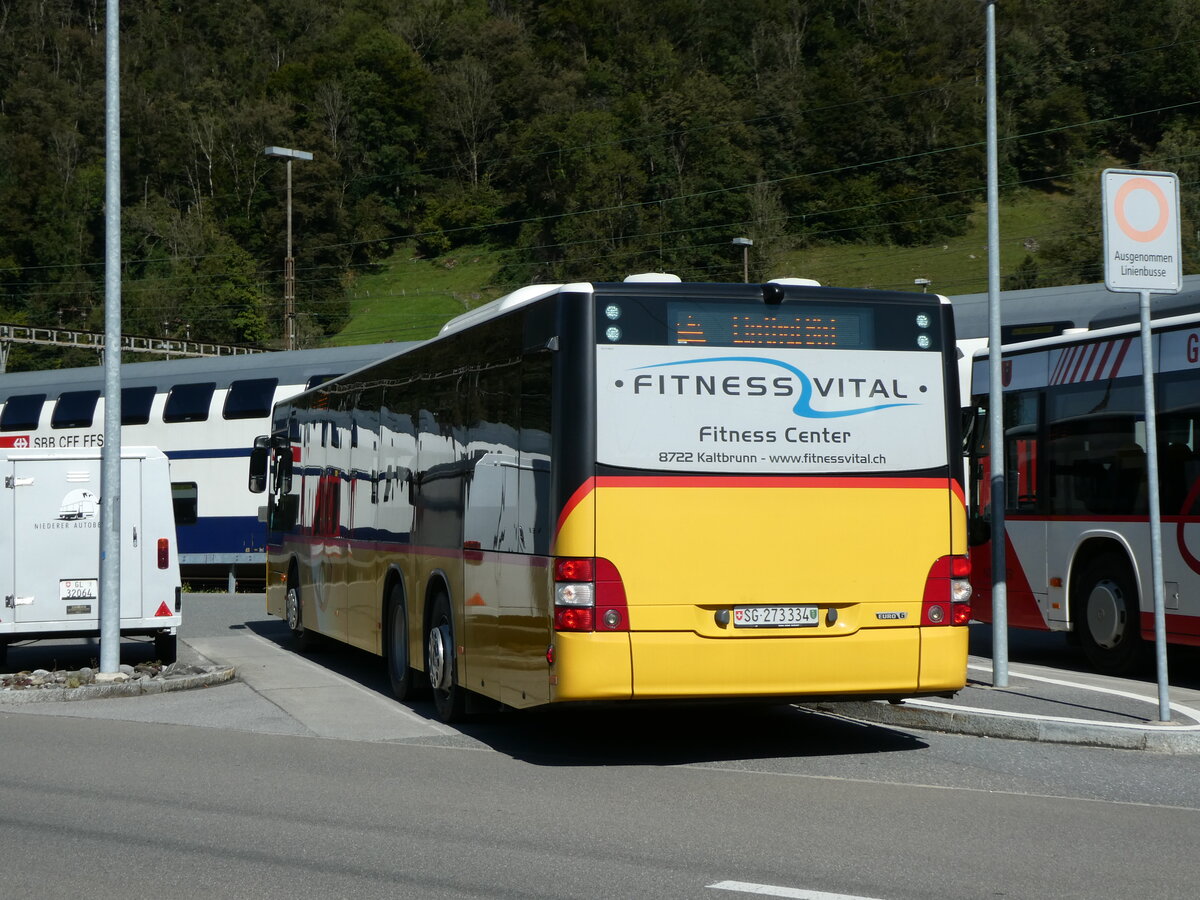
(50,547)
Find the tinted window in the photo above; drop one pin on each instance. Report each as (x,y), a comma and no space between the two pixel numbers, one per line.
(75,409)
(189,402)
(250,399)
(135,405)
(183,499)
(22,412)
(320,379)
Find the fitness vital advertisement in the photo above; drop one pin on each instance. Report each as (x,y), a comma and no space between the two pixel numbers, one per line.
(691,409)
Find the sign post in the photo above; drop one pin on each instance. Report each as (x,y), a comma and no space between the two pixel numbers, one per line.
(1142,253)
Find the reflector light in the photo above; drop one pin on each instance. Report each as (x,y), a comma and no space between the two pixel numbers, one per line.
(573,618)
(163,611)
(164,553)
(568,569)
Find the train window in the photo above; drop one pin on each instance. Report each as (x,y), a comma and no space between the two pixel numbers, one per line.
(75,409)
(183,499)
(189,402)
(21,412)
(135,405)
(320,379)
(250,399)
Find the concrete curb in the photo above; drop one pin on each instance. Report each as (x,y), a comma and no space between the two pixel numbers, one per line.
(1172,739)
(138,688)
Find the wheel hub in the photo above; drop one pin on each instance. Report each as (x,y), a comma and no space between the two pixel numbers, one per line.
(1106,615)
(292,609)
(439,657)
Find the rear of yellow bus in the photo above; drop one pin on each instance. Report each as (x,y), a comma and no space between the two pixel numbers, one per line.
(775,507)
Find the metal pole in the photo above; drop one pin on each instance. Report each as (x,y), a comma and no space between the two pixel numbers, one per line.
(289,273)
(110,455)
(995,386)
(745,264)
(1156,556)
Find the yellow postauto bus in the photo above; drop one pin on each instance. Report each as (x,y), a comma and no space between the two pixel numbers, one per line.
(645,490)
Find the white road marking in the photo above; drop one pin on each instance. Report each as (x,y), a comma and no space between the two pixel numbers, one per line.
(772,890)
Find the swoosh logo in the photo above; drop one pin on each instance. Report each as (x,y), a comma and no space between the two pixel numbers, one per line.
(803,406)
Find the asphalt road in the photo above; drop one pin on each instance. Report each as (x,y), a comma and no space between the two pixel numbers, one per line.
(239,792)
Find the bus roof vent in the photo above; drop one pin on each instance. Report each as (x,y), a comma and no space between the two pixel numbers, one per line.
(654,276)
(519,297)
(805,282)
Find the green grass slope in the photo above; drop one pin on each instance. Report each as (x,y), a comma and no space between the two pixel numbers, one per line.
(410,298)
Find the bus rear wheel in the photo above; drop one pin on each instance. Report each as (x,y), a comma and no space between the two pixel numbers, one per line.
(1108,616)
(293,612)
(400,672)
(448,696)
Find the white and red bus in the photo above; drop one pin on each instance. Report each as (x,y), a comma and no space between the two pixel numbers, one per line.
(1077,510)
(645,490)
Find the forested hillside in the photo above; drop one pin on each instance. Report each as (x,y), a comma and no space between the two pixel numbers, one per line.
(573,139)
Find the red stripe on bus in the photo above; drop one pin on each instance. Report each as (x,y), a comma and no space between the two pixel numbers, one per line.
(1091,354)
(576,498)
(1108,346)
(1056,375)
(1116,369)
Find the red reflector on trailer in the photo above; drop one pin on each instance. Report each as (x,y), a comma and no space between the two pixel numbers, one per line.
(163,611)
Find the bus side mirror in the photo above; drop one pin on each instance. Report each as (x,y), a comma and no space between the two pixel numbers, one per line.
(283,474)
(261,451)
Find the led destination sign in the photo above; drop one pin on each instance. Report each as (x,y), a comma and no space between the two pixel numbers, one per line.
(740,325)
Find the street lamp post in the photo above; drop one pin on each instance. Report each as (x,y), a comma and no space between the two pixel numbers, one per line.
(745,243)
(924,283)
(289,263)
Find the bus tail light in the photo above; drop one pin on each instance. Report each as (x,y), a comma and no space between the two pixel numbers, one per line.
(164,552)
(947,598)
(588,595)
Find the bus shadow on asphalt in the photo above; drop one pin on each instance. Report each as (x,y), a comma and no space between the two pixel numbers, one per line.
(627,734)
(665,734)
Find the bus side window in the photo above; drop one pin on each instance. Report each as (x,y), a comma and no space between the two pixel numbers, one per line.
(1021,448)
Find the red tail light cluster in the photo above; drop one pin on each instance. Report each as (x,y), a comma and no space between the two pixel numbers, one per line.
(164,553)
(588,595)
(947,599)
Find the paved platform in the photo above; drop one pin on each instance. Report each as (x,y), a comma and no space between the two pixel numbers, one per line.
(1044,704)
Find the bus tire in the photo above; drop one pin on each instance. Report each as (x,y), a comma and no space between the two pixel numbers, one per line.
(449,698)
(166,648)
(1106,609)
(293,611)
(399,669)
